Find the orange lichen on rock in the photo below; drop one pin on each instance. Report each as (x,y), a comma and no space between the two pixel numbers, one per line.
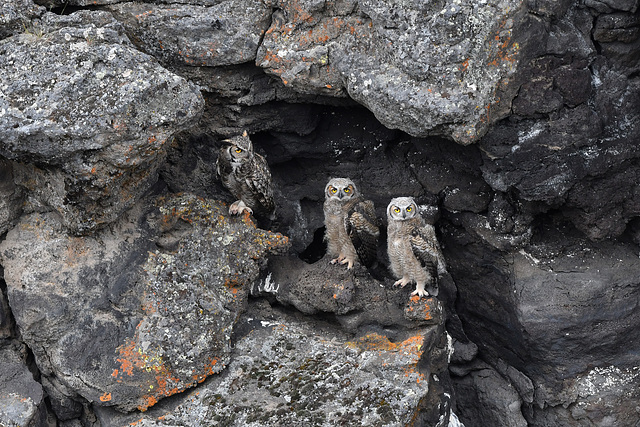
(422,307)
(380,343)
(390,351)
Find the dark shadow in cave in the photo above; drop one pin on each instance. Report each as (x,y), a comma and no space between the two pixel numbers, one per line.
(316,249)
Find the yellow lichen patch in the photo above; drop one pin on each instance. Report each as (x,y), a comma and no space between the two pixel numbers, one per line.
(105,397)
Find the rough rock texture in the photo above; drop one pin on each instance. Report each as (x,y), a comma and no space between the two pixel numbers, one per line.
(435,68)
(207,35)
(354,296)
(571,139)
(11,197)
(16,16)
(21,397)
(286,370)
(539,219)
(488,399)
(138,312)
(426,68)
(95,119)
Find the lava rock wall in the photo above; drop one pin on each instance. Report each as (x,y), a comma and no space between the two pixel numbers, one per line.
(129,295)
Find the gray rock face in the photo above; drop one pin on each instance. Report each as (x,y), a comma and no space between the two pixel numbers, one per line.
(139,312)
(441,68)
(538,220)
(97,118)
(208,34)
(486,398)
(581,155)
(301,372)
(16,16)
(21,397)
(11,197)
(424,68)
(544,313)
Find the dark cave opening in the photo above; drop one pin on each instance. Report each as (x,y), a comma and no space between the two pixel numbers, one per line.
(316,249)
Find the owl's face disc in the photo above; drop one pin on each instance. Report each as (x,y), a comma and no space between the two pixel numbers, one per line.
(340,189)
(402,208)
(238,149)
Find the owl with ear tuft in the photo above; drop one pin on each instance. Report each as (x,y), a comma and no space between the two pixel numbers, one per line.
(352,229)
(246,175)
(412,246)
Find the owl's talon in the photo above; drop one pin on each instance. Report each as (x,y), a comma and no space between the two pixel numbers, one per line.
(347,261)
(420,291)
(402,282)
(238,207)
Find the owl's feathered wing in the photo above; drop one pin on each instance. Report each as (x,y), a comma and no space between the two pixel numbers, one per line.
(251,183)
(425,247)
(258,181)
(363,229)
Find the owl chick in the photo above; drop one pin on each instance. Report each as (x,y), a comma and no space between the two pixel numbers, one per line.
(352,229)
(412,246)
(246,175)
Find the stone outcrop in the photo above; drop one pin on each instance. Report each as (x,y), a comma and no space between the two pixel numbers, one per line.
(308,373)
(514,124)
(96,117)
(21,396)
(135,313)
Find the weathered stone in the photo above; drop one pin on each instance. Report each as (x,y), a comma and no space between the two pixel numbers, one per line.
(140,311)
(424,68)
(605,395)
(542,309)
(21,397)
(11,197)
(484,398)
(211,34)
(617,27)
(293,370)
(355,296)
(16,16)
(94,120)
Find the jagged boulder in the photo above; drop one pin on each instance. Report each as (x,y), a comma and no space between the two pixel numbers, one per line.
(354,296)
(21,396)
(11,197)
(208,34)
(16,16)
(90,126)
(559,310)
(140,311)
(439,68)
(293,370)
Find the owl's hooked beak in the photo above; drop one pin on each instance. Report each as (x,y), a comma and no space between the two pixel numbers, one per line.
(340,195)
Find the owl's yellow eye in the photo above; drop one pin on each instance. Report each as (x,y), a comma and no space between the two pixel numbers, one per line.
(346,190)
(334,190)
(238,150)
(409,209)
(397,210)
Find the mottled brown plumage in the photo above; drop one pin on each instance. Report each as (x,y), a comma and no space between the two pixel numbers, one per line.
(412,246)
(246,175)
(352,229)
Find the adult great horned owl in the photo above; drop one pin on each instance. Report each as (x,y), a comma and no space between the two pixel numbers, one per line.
(412,246)
(246,175)
(351,226)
